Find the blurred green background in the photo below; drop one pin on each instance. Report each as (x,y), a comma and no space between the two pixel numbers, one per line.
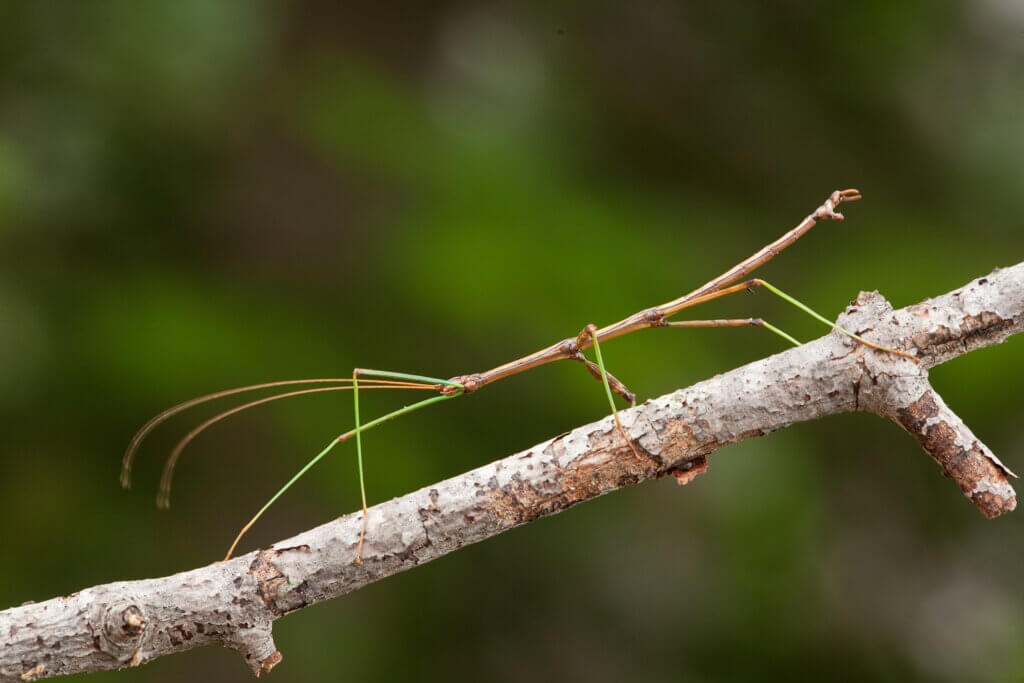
(206,193)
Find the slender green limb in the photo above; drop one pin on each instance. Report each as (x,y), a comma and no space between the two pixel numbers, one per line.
(779,332)
(814,314)
(608,392)
(359,460)
(359,439)
(344,437)
(604,373)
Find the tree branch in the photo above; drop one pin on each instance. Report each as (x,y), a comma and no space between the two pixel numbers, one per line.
(235,603)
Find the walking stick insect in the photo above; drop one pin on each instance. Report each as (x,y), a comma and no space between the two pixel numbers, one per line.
(571,348)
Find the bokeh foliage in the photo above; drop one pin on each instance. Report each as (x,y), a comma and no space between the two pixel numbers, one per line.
(200,194)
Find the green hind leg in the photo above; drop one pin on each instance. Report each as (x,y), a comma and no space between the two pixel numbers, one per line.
(757,321)
(607,380)
(357,432)
(356,373)
(817,316)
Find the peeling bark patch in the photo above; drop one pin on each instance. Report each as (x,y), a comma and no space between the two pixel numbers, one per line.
(609,464)
(679,439)
(33,673)
(974,331)
(304,548)
(984,324)
(270,662)
(977,476)
(269,578)
(696,467)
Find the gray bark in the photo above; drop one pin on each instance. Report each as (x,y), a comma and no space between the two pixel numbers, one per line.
(234,603)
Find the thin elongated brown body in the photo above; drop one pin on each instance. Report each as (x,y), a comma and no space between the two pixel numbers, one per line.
(572,347)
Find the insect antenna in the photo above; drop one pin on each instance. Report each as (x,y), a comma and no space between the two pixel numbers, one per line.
(164,495)
(157,420)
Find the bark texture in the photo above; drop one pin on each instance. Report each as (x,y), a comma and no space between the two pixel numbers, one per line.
(235,603)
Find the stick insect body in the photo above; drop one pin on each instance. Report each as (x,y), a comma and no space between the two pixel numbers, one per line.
(571,348)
